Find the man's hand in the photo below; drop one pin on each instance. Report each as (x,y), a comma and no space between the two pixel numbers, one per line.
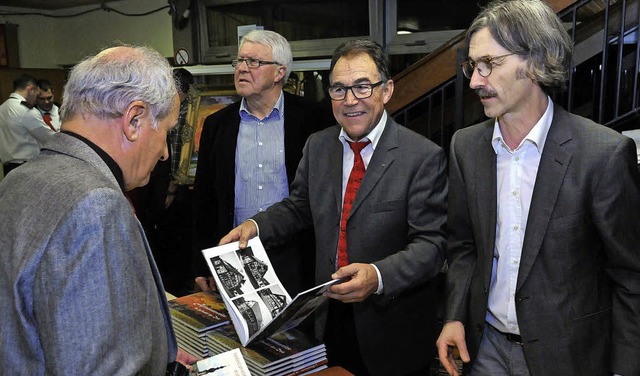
(242,233)
(452,336)
(363,282)
(206,283)
(185,358)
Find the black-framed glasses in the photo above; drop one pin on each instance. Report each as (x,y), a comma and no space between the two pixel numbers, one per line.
(252,63)
(360,91)
(484,65)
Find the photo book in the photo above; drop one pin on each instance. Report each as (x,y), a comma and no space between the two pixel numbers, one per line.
(195,315)
(258,304)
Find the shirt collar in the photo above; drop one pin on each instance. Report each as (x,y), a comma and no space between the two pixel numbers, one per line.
(277,112)
(373,136)
(17,96)
(537,135)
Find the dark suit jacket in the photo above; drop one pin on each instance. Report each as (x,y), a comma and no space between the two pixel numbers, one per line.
(578,289)
(396,222)
(214,187)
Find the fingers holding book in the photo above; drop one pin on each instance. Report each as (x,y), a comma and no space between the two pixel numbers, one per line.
(362,283)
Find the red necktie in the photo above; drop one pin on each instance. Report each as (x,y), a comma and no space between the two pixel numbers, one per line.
(47,119)
(355,177)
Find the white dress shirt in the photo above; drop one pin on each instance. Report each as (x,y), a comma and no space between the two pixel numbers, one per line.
(516,178)
(55,116)
(22,130)
(347,164)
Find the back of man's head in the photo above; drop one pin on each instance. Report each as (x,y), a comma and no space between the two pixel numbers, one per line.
(184,79)
(105,84)
(23,82)
(280,47)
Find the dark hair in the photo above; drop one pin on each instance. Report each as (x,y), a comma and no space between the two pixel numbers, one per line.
(44,84)
(23,81)
(184,79)
(532,30)
(368,46)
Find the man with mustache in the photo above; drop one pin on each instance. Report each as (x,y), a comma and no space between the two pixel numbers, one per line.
(544,268)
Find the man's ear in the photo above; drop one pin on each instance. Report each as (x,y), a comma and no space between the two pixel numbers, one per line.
(387,91)
(280,73)
(132,119)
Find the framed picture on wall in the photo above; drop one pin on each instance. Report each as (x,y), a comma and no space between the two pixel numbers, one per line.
(202,103)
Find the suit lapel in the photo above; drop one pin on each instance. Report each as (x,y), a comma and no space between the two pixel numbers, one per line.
(380,160)
(293,136)
(554,161)
(486,197)
(335,165)
(230,127)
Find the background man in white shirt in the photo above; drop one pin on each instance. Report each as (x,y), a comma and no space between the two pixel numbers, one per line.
(22,130)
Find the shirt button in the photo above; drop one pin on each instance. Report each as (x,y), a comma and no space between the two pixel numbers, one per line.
(260,165)
(517,159)
(515,228)
(260,143)
(259,187)
(515,193)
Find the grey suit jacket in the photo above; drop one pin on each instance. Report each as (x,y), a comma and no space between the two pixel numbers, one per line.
(81,293)
(578,289)
(396,222)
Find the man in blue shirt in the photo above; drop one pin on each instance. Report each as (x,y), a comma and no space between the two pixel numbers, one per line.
(249,152)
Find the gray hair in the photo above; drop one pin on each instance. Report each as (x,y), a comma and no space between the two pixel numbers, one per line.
(532,30)
(105,84)
(368,46)
(280,47)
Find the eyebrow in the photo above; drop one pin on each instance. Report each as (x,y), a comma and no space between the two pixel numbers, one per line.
(363,80)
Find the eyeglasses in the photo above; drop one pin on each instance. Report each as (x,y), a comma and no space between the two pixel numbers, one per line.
(484,65)
(360,91)
(252,63)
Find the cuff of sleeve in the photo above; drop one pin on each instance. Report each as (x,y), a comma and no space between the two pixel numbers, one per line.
(380,289)
(257,227)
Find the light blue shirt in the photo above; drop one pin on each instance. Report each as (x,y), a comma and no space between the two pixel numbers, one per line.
(347,164)
(516,177)
(260,172)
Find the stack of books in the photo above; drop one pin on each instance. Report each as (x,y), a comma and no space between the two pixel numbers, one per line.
(194,316)
(289,353)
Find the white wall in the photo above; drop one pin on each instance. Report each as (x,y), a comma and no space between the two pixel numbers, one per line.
(46,42)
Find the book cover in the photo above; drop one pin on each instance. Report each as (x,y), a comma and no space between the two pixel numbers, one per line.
(200,311)
(258,304)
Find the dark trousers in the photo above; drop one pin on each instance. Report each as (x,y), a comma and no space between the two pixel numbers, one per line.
(341,340)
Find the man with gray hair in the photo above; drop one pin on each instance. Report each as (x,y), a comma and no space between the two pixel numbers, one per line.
(249,152)
(544,268)
(81,292)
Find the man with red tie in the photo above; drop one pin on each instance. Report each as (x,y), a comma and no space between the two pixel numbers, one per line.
(46,106)
(375,194)
(22,129)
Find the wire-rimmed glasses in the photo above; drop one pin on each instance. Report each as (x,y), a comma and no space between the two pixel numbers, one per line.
(484,65)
